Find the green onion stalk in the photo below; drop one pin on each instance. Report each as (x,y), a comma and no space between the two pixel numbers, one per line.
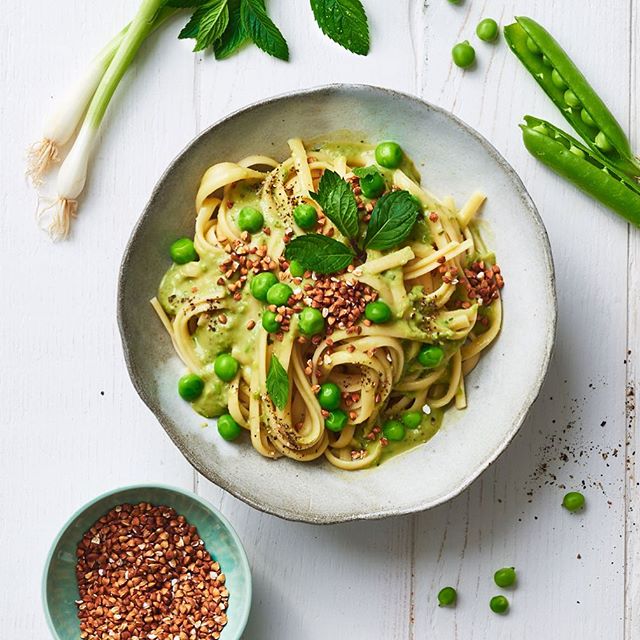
(96,89)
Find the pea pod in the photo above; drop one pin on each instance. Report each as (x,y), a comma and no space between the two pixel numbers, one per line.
(576,162)
(563,82)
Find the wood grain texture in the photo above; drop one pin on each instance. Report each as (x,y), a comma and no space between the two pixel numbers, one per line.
(72,426)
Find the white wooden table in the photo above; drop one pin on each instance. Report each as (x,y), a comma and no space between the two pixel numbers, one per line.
(72,425)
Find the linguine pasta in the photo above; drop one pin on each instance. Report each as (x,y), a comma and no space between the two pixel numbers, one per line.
(440,285)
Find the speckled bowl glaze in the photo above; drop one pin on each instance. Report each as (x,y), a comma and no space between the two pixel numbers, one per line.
(59,587)
(453,159)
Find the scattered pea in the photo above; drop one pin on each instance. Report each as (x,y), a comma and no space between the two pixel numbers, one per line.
(250,219)
(311,321)
(261,283)
(576,151)
(463,54)
(329,396)
(447,597)
(226,367)
(558,80)
(505,577)
(269,322)
(571,99)
(296,269)
(393,430)
(336,420)
(487,30)
(228,428)
(573,501)
(279,294)
(377,312)
(389,155)
(533,47)
(430,356)
(499,604)
(586,118)
(305,216)
(190,387)
(183,251)
(602,142)
(372,185)
(412,419)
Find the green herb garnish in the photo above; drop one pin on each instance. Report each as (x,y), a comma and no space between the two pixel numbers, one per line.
(336,198)
(345,22)
(207,24)
(365,172)
(278,383)
(234,36)
(319,253)
(262,30)
(392,220)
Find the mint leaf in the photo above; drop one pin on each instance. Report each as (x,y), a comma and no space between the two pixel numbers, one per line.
(278,383)
(336,198)
(392,220)
(261,29)
(345,22)
(207,24)
(234,36)
(319,253)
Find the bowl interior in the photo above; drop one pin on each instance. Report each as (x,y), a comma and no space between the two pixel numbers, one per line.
(60,589)
(453,159)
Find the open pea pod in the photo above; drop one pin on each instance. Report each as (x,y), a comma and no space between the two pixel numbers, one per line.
(576,162)
(563,82)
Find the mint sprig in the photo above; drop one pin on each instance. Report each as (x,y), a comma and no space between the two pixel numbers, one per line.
(319,253)
(234,35)
(207,24)
(262,30)
(278,383)
(336,198)
(392,220)
(345,22)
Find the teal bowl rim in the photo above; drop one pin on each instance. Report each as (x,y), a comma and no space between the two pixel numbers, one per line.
(185,492)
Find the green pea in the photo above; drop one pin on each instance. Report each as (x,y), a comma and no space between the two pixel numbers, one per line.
(499,604)
(576,151)
(546,61)
(226,367)
(183,251)
(305,216)
(463,54)
(430,356)
(558,80)
(487,30)
(573,501)
(571,99)
(311,321)
(447,597)
(250,219)
(586,118)
(329,396)
(336,420)
(412,419)
(602,142)
(190,387)
(505,577)
(393,430)
(540,128)
(269,322)
(261,283)
(377,312)
(296,269)
(279,294)
(372,185)
(228,428)
(532,46)
(389,155)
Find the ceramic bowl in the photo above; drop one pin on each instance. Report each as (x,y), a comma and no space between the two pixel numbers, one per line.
(59,588)
(453,159)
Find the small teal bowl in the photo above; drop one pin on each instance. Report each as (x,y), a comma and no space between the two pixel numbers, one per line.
(59,588)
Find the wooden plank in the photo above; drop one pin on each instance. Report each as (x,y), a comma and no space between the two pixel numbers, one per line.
(569,565)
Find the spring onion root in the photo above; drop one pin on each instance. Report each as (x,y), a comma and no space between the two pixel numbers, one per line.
(67,114)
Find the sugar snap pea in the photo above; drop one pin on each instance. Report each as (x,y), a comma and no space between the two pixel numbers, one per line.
(563,82)
(582,166)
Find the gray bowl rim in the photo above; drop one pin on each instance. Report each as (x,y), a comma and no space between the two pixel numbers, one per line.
(189,494)
(547,258)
